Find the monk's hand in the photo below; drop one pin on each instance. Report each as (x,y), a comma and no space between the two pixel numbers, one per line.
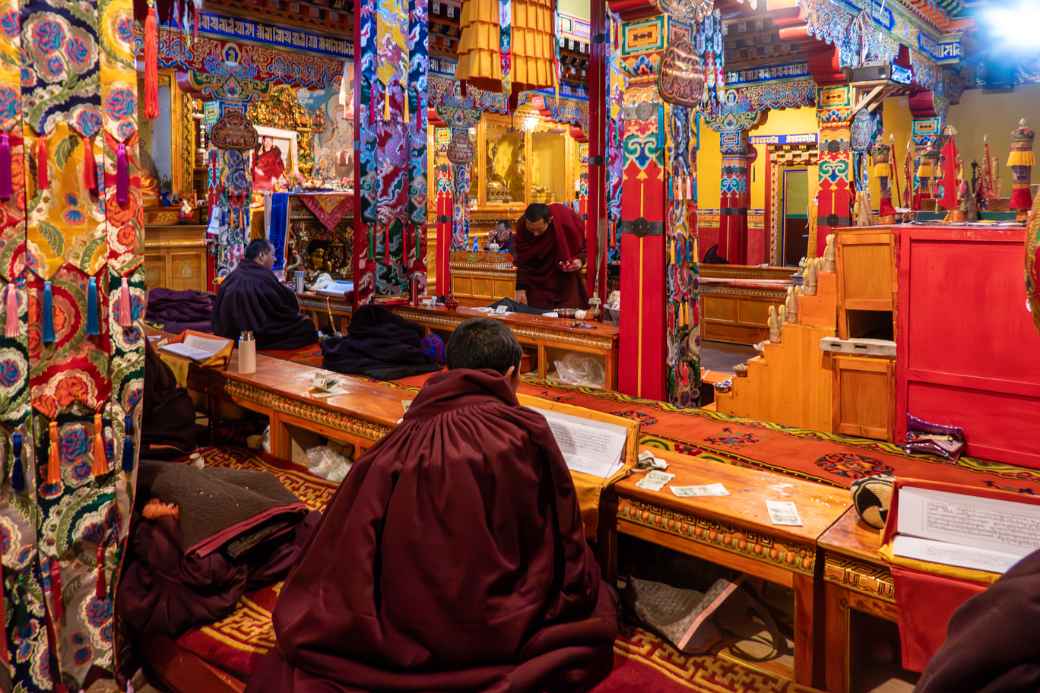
(571,266)
(521,297)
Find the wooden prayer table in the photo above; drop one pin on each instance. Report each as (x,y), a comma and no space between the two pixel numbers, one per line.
(734,531)
(855,578)
(544,335)
(280,390)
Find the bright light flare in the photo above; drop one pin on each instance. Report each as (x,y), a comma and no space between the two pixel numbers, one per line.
(1015,25)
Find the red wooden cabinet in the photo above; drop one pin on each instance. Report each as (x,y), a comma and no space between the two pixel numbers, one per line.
(968,353)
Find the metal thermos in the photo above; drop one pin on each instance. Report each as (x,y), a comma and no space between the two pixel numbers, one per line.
(298,278)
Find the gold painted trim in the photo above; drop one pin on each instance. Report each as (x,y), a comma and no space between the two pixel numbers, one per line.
(708,290)
(788,555)
(346,423)
(871,579)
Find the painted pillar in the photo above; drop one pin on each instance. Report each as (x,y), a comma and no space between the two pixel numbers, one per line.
(643,198)
(682,311)
(834,199)
(734,121)
(925,132)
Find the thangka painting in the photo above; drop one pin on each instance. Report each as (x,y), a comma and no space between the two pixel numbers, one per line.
(71,351)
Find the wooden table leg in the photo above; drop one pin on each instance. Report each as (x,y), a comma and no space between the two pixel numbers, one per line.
(542,365)
(281,443)
(608,364)
(808,604)
(838,636)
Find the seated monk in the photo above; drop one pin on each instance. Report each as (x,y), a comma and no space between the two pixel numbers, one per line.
(453,556)
(168,419)
(252,299)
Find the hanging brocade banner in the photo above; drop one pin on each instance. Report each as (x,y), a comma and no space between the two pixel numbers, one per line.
(394,63)
(1032,245)
(682,319)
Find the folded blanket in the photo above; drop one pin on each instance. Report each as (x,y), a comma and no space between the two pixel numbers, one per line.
(165,305)
(379,344)
(238,530)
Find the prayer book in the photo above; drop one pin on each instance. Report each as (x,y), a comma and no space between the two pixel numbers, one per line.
(198,349)
(966,531)
(596,448)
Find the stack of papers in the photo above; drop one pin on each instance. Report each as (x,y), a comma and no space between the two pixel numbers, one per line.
(593,447)
(198,349)
(965,531)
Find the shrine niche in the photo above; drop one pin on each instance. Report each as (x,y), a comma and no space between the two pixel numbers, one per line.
(168,147)
(281,109)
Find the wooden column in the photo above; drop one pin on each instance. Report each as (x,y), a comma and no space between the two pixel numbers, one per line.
(596,221)
(926,129)
(732,124)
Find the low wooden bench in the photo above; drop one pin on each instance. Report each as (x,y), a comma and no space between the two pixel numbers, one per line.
(547,336)
(734,531)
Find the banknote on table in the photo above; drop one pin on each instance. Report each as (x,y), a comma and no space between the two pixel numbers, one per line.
(654,480)
(701,490)
(783,513)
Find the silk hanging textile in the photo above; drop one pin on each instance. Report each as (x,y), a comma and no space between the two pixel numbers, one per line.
(392,67)
(71,251)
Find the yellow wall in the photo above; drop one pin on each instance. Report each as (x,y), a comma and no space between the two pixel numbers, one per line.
(575,8)
(789,121)
(709,169)
(995,114)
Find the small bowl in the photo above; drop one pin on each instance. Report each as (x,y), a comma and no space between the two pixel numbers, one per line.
(566,312)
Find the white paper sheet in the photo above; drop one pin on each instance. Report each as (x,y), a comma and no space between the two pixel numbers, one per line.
(197,348)
(592,447)
(987,524)
(952,554)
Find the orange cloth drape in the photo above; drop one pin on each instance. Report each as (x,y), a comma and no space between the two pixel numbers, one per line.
(479,63)
(532,46)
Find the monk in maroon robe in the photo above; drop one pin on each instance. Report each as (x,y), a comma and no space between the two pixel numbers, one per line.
(549,254)
(251,298)
(453,556)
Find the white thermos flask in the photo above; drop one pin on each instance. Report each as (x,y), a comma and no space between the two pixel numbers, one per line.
(246,353)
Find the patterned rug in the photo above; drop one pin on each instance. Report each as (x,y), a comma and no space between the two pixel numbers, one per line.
(823,457)
(642,661)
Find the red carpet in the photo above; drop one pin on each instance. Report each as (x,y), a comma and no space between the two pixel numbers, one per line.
(643,662)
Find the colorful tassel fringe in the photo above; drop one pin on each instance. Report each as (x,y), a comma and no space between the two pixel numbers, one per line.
(54,457)
(122,176)
(128,444)
(6,171)
(99,463)
(17,473)
(126,317)
(151,62)
(48,313)
(89,166)
(1021,157)
(12,326)
(42,180)
(93,311)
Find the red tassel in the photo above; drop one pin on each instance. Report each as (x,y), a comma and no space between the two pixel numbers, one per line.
(6,170)
(151,63)
(59,606)
(99,463)
(42,182)
(54,458)
(126,319)
(12,327)
(101,588)
(89,166)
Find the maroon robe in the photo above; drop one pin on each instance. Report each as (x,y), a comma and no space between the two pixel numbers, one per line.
(452,558)
(991,644)
(538,261)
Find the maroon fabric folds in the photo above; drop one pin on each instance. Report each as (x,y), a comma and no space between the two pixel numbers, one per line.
(992,643)
(926,604)
(538,261)
(452,558)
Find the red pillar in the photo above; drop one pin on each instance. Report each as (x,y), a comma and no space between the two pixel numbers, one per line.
(596,219)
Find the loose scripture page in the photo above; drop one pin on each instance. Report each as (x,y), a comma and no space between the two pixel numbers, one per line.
(997,530)
(592,447)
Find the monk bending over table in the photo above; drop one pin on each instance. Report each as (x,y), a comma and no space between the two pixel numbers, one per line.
(549,252)
(453,557)
(252,299)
